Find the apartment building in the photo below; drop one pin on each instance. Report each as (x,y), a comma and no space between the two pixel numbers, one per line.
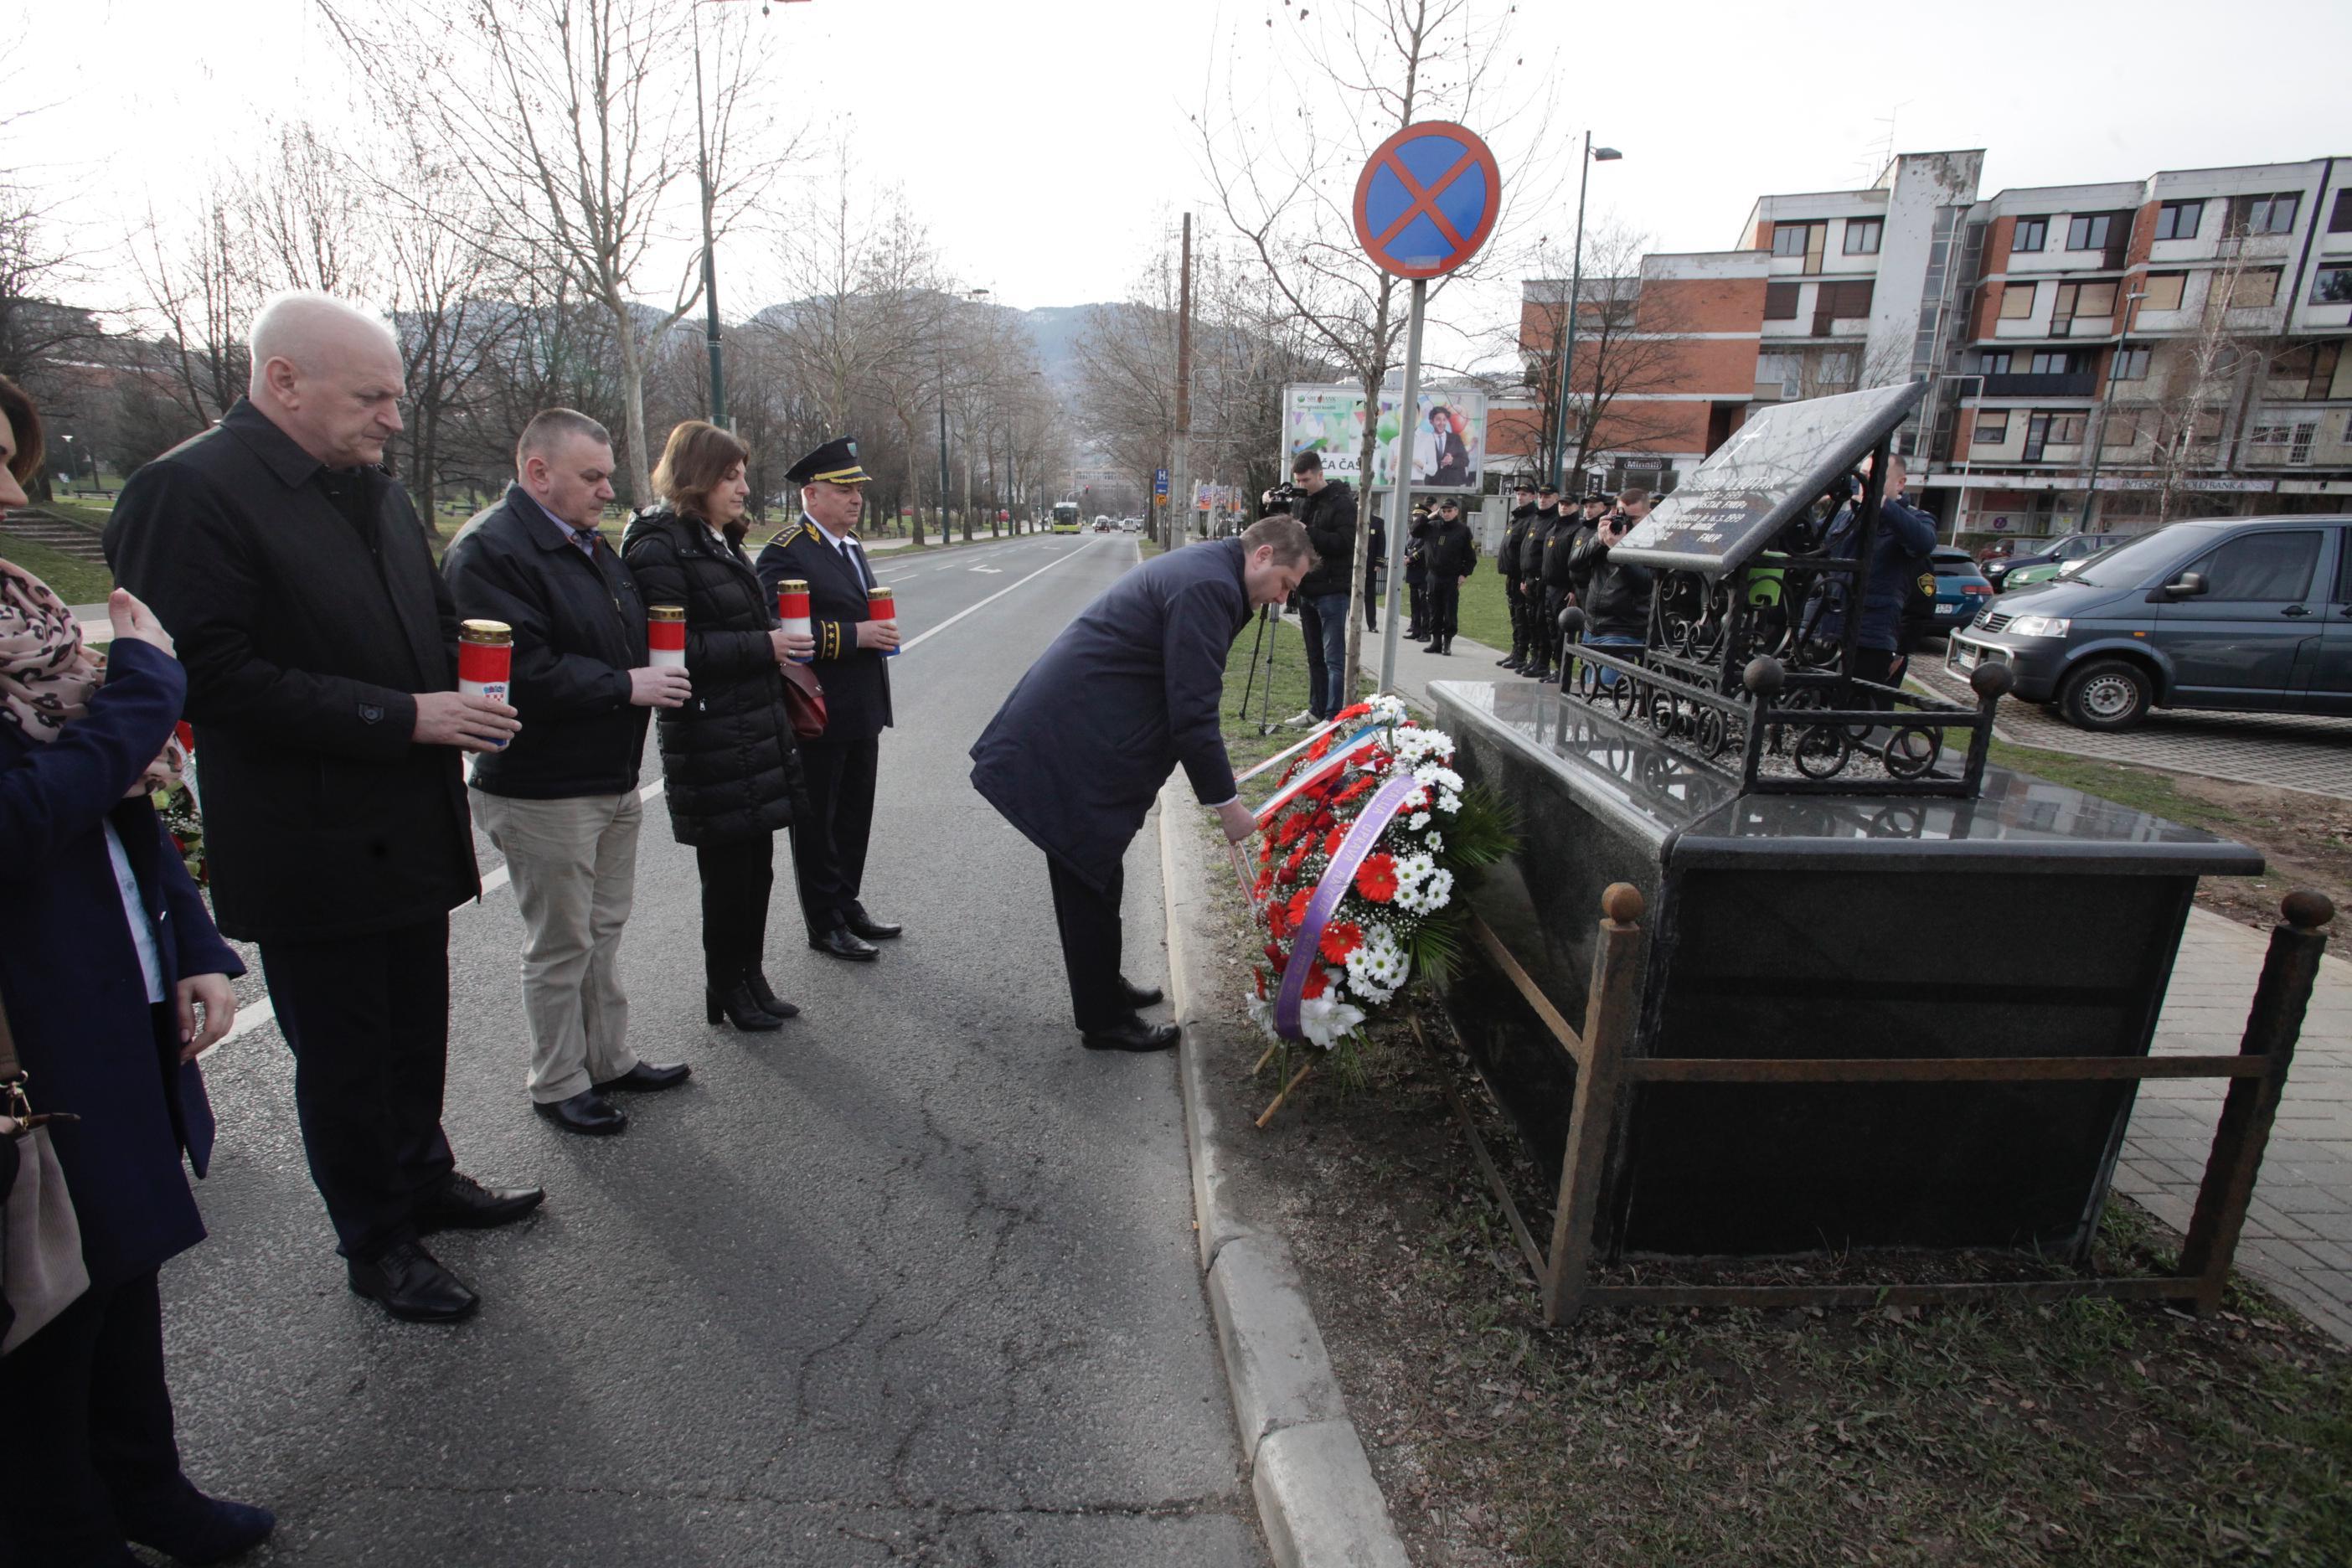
(2152,350)
(2107,354)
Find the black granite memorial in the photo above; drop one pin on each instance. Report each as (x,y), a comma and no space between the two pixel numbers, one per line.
(1822,879)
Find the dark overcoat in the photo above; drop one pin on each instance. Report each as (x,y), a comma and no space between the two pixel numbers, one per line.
(579,629)
(856,680)
(733,771)
(306,641)
(70,973)
(1129,690)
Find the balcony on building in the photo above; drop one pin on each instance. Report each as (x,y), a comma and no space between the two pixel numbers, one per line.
(2085,383)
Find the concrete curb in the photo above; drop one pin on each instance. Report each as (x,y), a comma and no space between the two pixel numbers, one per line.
(1316,1494)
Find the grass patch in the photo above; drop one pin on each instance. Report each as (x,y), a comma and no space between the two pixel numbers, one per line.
(72,579)
(91,512)
(2143,789)
(1486,614)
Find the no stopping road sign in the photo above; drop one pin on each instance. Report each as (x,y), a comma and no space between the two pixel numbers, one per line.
(1427,199)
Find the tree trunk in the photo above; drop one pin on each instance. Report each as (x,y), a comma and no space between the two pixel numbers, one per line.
(632,408)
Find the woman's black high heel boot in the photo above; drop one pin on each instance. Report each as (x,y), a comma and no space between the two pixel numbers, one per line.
(739,1005)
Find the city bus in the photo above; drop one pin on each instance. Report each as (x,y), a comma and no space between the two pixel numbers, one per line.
(1065,517)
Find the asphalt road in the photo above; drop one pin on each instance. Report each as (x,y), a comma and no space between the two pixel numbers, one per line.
(911,1280)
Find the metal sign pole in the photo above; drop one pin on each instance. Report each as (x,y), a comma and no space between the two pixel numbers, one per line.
(1401,508)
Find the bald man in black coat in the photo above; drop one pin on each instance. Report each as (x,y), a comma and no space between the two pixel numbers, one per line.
(1130,690)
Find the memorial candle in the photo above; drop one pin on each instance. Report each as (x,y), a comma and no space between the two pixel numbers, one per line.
(666,636)
(792,609)
(485,660)
(882,605)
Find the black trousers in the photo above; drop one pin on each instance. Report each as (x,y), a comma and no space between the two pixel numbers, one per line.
(1416,595)
(1372,603)
(1088,921)
(1521,621)
(85,1437)
(1445,605)
(829,840)
(1876,665)
(368,1019)
(737,879)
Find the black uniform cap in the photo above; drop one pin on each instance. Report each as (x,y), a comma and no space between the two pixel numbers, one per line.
(835,463)
(1547,489)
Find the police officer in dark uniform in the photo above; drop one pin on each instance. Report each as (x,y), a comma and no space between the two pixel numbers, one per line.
(1452,555)
(1524,583)
(829,840)
(1507,561)
(1416,572)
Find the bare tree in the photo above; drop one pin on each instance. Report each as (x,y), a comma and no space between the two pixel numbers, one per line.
(2202,377)
(576,121)
(200,293)
(1283,166)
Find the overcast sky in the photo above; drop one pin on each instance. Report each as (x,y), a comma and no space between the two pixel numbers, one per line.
(1046,142)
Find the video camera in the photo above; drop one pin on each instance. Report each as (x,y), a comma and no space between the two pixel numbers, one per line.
(1278,500)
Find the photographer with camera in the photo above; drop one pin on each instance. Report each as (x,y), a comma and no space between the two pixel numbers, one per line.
(1614,594)
(1900,547)
(1327,509)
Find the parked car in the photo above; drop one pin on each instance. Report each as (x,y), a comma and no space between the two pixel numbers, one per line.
(2241,613)
(2048,571)
(2065,547)
(1960,589)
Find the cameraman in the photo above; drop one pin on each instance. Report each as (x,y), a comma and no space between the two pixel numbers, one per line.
(1328,508)
(1417,571)
(1900,546)
(1614,594)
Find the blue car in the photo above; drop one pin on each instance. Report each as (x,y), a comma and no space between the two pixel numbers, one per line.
(1960,591)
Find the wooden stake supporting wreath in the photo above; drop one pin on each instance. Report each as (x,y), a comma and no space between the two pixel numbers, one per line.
(1296,1080)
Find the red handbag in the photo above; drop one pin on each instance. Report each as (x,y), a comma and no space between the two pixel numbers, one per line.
(805,700)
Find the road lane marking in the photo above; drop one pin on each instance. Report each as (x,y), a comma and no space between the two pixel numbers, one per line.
(1058,560)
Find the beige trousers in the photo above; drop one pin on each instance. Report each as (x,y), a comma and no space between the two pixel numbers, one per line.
(575,866)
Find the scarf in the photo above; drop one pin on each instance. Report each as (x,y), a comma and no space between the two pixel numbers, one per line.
(47,677)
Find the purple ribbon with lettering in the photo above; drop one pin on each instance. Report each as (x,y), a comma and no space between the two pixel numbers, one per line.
(1329,889)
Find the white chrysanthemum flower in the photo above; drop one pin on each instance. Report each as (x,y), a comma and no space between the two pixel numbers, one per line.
(1448,802)
(1386,709)
(1413,868)
(1436,841)
(1437,776)
(1419,820)
(1438,891)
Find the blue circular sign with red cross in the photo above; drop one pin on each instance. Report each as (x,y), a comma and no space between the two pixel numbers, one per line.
(1427,199)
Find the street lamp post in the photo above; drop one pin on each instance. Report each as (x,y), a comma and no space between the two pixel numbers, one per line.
(1567,327)
(2106,403)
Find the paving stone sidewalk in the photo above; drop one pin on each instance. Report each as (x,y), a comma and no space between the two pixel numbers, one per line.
(2285,751)
(2298,1235)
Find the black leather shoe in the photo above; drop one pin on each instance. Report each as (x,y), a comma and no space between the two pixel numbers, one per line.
(771,1004)
(738,1004)
(409,1283)
(194,1529)
(587,1111)
(645,1077)
(1140,995)
(864,925)
(461,1203)
(1134,1035)
(1511,660)
(842,943)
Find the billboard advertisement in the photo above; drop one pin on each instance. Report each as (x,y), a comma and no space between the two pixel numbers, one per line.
(1449,435)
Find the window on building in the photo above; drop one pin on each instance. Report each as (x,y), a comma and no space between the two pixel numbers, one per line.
(1780,299)
(2085,300)
(2029,234)
(2340,221)
(1781,369)
(2163,289)
(2017,301)
(1993,361)
(2066,426)
(2178,220)
(1862,234)
(1794,238)
(2332,287)
(1839,368)
(2055,361)
(2272,214)
(1844,301)
(2304,372)
(2254,288)
(2088,231)
(1992,427)
(2123,430)
(2131,364)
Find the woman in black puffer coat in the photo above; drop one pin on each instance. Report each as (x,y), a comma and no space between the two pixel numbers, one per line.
(732,770)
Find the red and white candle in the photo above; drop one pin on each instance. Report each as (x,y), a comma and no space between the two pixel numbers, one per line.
(485,660)
(666,636)
(792,610)
(882,605)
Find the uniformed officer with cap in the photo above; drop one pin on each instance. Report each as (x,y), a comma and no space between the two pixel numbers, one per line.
(829,840)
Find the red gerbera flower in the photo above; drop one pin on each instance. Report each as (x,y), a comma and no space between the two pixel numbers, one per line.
(1376,878)
(1332,840)
(1316,981)
(1297,911)
(1278,919)
(1341,937)
(1320,749)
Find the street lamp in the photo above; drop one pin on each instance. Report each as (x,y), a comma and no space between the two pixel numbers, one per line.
(1575,287)
(2107,401)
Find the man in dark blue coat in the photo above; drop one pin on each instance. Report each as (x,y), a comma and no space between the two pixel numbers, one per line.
(821,549)
(1130,689)
(1900,548)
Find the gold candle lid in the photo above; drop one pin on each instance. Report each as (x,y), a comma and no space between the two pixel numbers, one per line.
(667,612)
(490,631)
(793,585)
(882,594)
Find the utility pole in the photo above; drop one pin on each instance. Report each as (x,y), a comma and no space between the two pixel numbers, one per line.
(1180,487)
(1567,327)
